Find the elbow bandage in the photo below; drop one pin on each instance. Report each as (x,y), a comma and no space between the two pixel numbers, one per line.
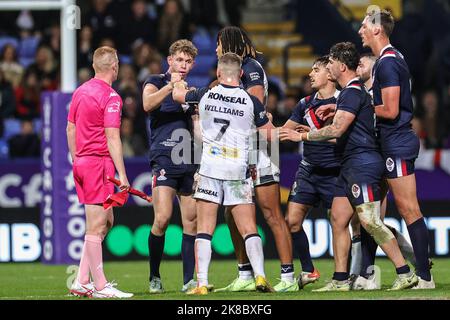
(369,215)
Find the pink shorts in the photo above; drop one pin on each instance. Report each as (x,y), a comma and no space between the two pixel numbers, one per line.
(90,178)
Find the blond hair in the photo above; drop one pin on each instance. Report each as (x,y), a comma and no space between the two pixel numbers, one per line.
(230,63)
(184,46)
(104,58)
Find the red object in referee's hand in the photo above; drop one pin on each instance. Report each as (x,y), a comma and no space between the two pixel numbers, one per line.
(116,200)
(132,191)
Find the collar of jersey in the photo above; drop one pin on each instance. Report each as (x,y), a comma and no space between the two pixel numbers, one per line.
(351,81)
(228,86)
(389,46)
(335,95)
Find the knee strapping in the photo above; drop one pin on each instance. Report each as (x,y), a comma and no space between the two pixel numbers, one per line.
(369,215)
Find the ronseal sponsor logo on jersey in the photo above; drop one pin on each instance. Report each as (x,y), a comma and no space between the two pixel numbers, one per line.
(221,97)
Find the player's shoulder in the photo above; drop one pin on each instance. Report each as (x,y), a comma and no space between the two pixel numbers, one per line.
(155,79)
(251,65)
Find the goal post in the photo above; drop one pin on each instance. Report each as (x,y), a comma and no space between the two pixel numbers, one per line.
(69,22)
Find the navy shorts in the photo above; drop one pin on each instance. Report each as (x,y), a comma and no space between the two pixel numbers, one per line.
(181,182)
(314,185)
(396,167)
(360,184)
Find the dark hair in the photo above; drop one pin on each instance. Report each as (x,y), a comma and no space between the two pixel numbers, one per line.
(384,18)
(369,55)
(236,40)
(5,47)
(346,53)
(322,61)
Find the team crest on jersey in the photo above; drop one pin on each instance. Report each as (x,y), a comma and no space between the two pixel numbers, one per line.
(162,175)
(254,76)
(356,191)
(390,164)
(262,114)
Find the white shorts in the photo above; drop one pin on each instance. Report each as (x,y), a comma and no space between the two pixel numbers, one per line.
(267,171)
(226,192)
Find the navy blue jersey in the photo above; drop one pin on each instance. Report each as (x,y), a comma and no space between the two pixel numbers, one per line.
(318,153)
(254,75)
(164,120)
(396,136)
(358,143)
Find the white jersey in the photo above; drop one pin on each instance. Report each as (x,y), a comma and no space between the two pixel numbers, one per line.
(228,119)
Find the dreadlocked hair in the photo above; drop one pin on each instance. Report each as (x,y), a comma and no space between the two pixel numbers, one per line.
(236,40)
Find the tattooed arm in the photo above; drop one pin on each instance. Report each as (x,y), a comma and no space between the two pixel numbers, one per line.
(342,120)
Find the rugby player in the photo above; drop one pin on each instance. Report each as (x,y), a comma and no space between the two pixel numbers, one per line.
(361,170)
(93,136)
(170,180)
(363,246)
(317,174)
(267,188)
(227,116)
(399,144)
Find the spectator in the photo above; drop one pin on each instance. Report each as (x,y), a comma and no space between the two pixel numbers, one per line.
(85,49)
(143,55)
(133,144)
(46,68)
(7,101)
(84,74)
(234,9)
(205,14)
(28,97)
(137,27)
(127,83)
(12,70)
(289,104)
(52,39)
(154,67)
(172,25)
(101,20)
(26,143)
(273,106)
(133,110)
(306,88)
(433,132)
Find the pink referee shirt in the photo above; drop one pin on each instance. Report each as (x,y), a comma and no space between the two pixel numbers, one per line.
(94,107)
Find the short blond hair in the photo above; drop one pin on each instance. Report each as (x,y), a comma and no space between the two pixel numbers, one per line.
(104,58)
(231,64)
(184,46)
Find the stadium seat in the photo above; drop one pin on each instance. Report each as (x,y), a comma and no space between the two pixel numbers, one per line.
(198,81)
(8,40)
(28,47)
(203,63)
(37,125)
(25,62)
(12,127)
(4,149)
(125,59)
(205,44)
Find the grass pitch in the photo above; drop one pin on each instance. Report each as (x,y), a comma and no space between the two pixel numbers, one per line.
(36,281)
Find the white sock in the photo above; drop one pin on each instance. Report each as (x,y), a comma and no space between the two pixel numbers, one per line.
(355,266)
(289,277)
(253,247)
(203,258)
(245,271)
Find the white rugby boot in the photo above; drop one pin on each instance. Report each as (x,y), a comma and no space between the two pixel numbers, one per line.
(110,291)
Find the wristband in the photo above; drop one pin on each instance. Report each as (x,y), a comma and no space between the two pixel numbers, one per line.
(307,136)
